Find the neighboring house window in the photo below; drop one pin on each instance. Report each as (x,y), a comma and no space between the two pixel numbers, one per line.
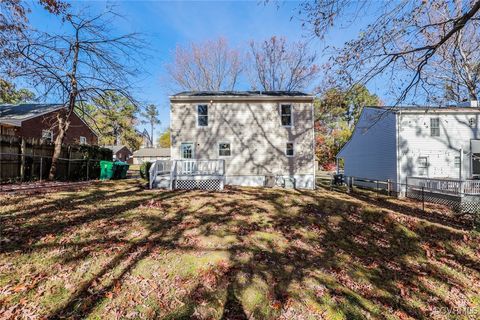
(224,150)
(202,114)
(47,135)
(435,127)
(422,166)
(83,140)
(289,149)
(472,122)
(286,114)
(457,162)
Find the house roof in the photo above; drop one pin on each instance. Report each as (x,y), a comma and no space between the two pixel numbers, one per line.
(14,114)
(424,109)
(115,149)
(152,152)
(241,95)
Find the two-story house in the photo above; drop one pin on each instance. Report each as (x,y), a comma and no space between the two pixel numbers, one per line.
(36,120)
(418,141)
(261,136)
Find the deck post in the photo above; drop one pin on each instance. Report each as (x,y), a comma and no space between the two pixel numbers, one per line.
(461,164)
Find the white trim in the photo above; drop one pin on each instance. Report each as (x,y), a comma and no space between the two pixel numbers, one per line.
(193,149)
(85,142)
(291,125)
(218,149)
(314,147)
(198,115)
(207,99)
(293,148)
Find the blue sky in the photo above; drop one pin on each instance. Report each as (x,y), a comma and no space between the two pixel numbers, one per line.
(166,24)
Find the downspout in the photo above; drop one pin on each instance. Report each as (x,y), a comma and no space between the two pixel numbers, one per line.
(398,117)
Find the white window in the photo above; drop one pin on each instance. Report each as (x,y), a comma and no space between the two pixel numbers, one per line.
(186,150)
(47,135)
(472,122)
(286,115)
(202,115)
(224,149)
(83,140)
(457,162)
(289,152)
(422,166)
(435,127)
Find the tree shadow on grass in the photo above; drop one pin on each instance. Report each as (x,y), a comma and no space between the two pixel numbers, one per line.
(361,261)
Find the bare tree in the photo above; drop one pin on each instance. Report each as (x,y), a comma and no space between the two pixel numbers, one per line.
(395,43)
(278,65)
(208,66)
(14,20)
(453,74)
(85,61)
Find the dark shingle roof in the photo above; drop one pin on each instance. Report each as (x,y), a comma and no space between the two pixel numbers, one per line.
(16,113)
(115,149)
(241,93)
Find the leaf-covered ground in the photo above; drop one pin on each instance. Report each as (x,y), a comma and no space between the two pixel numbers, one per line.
(114,250)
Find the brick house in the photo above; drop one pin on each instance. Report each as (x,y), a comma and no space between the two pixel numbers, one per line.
(40,121)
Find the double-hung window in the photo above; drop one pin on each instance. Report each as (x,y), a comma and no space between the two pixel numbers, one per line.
(422,166)
(289,152)
(83,140)
(202,115)
(224,149)
(47,135)
(435,127)
(286,115)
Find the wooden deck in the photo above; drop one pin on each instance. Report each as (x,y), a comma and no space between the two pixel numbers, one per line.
(188,174)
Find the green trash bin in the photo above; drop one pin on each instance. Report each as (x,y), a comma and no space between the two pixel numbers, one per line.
(125,167)
(106,170)
(120,170)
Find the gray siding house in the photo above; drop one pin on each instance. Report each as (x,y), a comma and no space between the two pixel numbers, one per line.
(263,137)
(427,144)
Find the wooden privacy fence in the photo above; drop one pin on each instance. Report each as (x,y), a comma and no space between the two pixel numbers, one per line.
(29,159)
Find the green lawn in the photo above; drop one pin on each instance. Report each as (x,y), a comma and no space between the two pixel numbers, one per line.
(115,250)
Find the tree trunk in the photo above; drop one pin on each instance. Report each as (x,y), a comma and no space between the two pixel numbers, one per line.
(64,118)
(63,123)
(151,136)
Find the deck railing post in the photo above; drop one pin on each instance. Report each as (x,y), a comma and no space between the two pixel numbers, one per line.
(41,168)
(423,199)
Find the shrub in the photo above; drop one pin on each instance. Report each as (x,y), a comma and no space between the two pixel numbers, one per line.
(145,170)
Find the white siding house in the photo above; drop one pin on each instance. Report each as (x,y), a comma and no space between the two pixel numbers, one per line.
(260,136)
(429,142)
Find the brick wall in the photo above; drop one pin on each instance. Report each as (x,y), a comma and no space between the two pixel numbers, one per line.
(33,128)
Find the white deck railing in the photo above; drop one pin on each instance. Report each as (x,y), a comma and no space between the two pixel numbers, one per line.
(199,167)
(447,186)
(182,168)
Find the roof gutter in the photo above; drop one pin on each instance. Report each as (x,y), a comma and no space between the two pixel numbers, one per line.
(239,98)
